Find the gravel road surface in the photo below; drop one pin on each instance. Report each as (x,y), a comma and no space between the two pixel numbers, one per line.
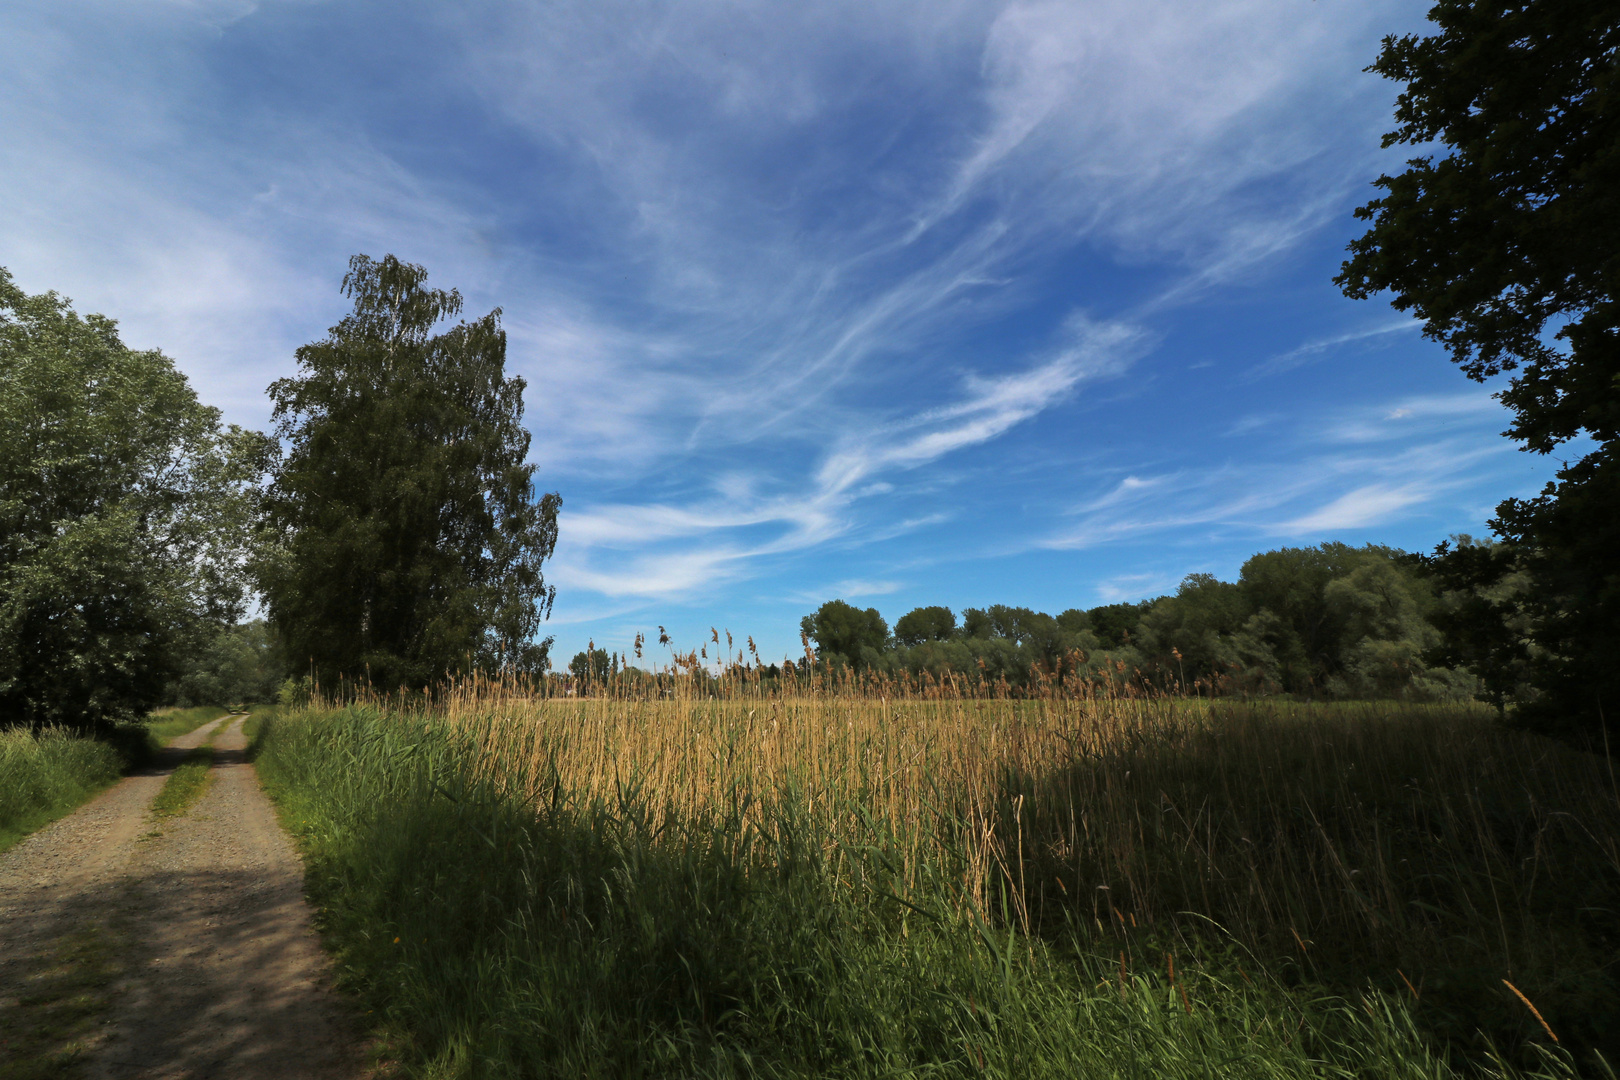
(209,964)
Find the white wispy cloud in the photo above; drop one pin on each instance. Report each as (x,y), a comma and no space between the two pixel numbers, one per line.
(1118,120)
(1318,347)
(1122,587)
(615,535)
(1402,418)
(1332,475)
(1372,504)
(850,588)
(990,407)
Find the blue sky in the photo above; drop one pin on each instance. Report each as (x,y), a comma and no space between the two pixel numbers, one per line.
(957,302)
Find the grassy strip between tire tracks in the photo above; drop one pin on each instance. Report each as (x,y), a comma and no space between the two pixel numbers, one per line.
(189,780)
(186,784)
(500,920)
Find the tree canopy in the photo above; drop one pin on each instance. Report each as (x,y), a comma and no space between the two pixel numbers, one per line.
(123,504)
(403,538)
(1506,243)
(843,630)
(925,624)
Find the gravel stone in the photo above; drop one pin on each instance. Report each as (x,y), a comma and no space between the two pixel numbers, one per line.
(222,974)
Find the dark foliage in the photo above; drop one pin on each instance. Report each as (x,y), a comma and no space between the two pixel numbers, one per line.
(404,539)
(1568,543)
(1507,246)
(925,624)
(1113,623)
(242,665)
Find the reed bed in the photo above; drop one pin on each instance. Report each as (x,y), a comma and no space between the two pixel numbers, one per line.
(1457,871)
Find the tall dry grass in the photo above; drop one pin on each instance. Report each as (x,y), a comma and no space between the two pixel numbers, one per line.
(1425,848)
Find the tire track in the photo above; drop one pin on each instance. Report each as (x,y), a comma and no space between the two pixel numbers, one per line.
(202,959)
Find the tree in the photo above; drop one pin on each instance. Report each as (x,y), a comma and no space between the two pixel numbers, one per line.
(843,630)
(1308,633)
(123,507)
(239,667)
(1192,634)
(1508,248)
(1035,631)
(1115,624)
(590,667)
(924,624)
(1480,616)
(1074,621)
(403,537)
(1564,542)
(976,623)
(1385,638)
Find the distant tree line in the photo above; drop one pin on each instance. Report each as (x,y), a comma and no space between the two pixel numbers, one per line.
(1324,621)
(241,665)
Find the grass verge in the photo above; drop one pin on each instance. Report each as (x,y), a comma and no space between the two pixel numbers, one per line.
(46,774)
(504,914)
(253,727)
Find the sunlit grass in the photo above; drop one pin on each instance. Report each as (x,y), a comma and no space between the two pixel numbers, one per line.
(46,774)
(253,726)
(188,782)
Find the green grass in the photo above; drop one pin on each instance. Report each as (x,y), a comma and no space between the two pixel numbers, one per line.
(253,726)
(1425,850)
(501,924)
(45,775)
(186,784)
(166,725)
(191,778)
(48,774)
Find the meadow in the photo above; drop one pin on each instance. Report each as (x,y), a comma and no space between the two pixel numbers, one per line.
(934,882)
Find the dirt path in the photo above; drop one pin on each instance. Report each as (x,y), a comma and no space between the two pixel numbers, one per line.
(180,949)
